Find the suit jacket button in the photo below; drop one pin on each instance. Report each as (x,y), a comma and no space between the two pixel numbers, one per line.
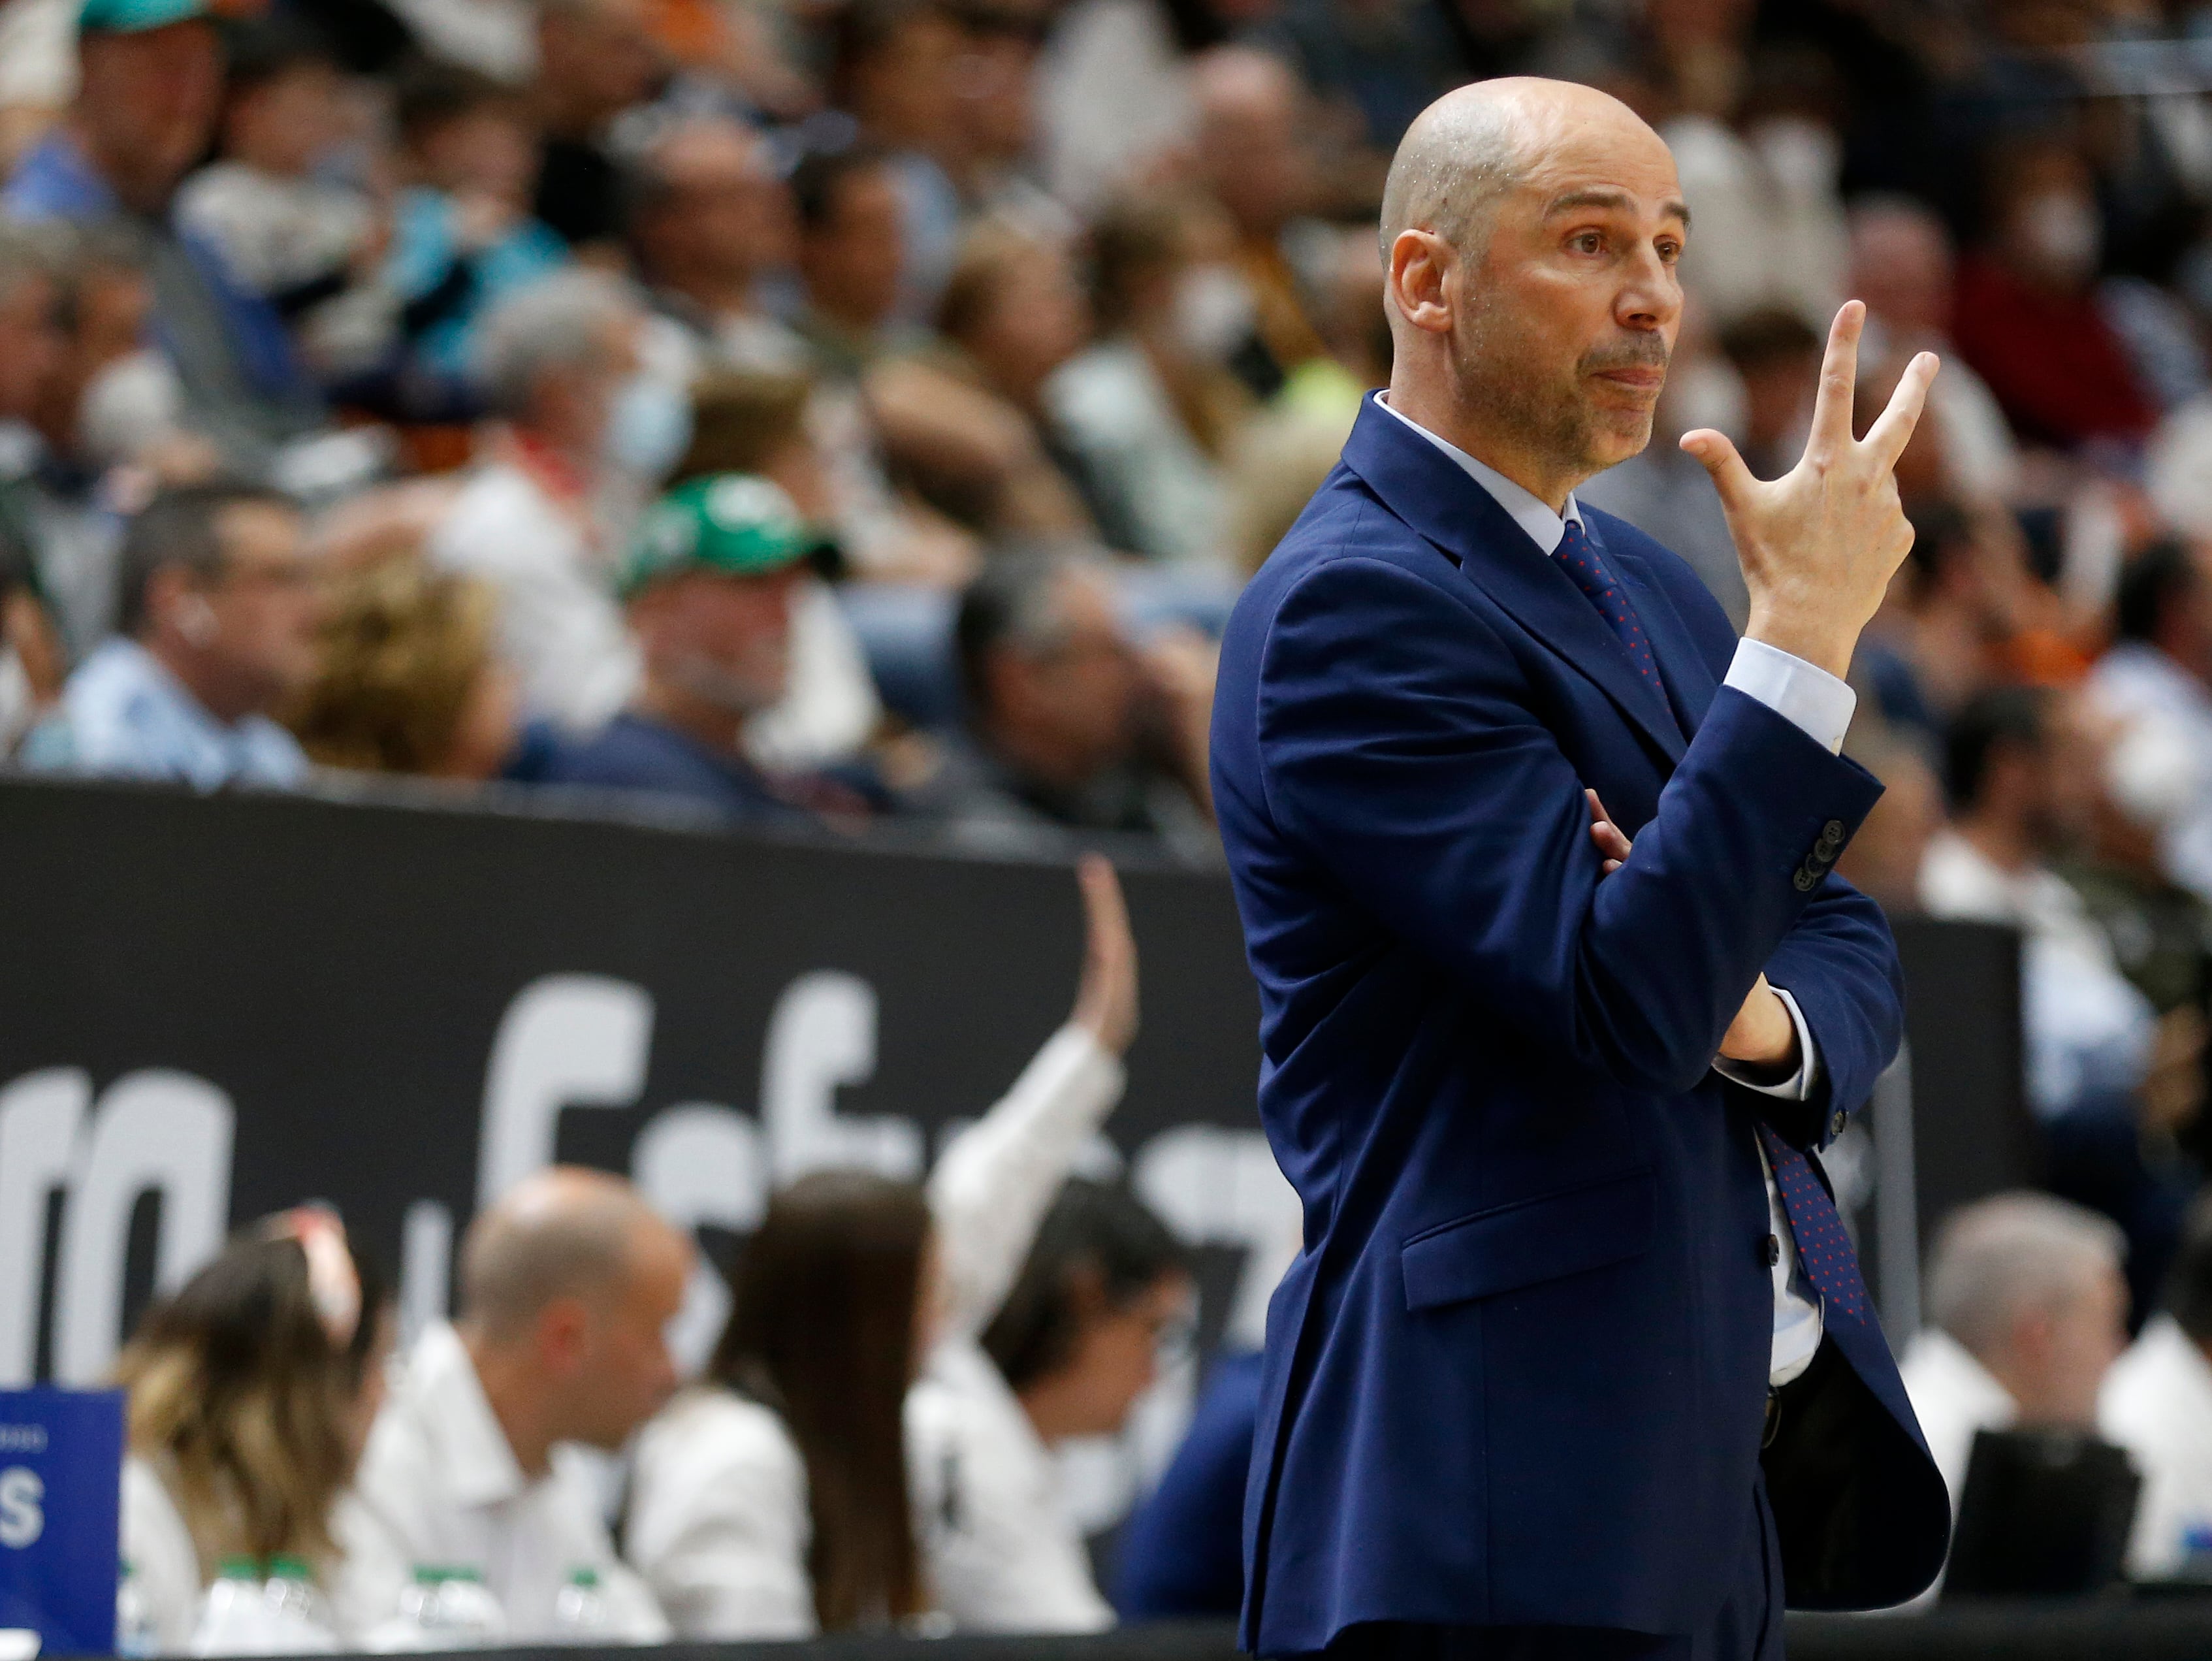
(1772,1249)
(1832,834)
(1806,878)
(1836,1123)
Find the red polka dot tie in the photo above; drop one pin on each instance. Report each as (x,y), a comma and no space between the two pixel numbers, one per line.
(1824,1249)
(1579,558)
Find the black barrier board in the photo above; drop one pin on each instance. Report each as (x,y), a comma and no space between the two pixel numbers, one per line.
(213,1008)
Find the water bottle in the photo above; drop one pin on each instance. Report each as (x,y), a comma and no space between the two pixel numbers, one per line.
(469,1617)
(579,1610)
(134,1634)
(234,1618)
(297,1617)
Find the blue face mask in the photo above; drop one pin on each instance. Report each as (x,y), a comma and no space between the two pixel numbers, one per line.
(649,428)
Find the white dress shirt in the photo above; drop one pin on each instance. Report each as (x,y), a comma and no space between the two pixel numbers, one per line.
(438,1485)
(165,1565)
(2157,1403)
(720,1523)
(1820,706)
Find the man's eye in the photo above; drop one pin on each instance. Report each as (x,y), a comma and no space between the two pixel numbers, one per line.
(1587,242)
(1670,252)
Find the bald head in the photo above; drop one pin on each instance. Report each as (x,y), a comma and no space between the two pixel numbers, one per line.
(565,1233)
(1477,142)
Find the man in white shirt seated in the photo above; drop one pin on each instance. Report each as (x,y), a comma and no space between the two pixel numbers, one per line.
(2157,1404)
(567,1285)
(2028,1309)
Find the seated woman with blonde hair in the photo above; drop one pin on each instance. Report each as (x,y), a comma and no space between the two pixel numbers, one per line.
(251,1390)
(409,680)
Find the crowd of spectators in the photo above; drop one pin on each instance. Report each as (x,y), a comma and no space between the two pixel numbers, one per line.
(820,412)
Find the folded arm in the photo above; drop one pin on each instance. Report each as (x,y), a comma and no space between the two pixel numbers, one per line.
(1399,748)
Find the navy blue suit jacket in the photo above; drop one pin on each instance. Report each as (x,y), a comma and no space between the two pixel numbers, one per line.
(1518,1374)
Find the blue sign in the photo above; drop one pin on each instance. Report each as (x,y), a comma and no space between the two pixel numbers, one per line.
(61,1479)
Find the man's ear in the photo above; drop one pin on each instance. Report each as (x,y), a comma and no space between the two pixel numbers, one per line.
(563,1334)
(1421,263)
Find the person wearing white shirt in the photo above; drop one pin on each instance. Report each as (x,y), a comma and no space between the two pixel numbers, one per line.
(792,1491)
(2027,1304)
(2157,1404)
(251,1391)
(1068,1355)
(548,516)
(568,1284)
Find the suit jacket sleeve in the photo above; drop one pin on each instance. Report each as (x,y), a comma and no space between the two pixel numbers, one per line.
(1400,749)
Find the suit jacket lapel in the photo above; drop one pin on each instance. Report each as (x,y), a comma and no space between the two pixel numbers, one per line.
(1434,496)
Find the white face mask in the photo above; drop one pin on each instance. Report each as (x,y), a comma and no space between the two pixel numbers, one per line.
(648,428)
(1214,311)
(129,407)
(2062,231)
(19,707)
(1804,157)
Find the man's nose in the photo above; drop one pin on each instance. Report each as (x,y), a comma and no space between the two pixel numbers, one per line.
(1651,297)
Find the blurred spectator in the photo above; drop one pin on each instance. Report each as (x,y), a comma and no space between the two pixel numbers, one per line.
(1115,93)
(1181,1552)
(2028,318)
(1902,267)
(784,1495)
(2157,676)
(1015,310)
(710,589)
(1150,410)
(595,59)
(852,248)
(1380,62)
(2015,777)
(2022,775)
(1758,160)
(2028,1306)
(2157,1404)
(894,70)
(1076,1343)
(251,1390)
(567,1285)
(31,666)
(1777,356)
(709,220)
(757,422)
(543,519)
(1069,724)
(283,227)
(408,680)
(1252,153)
(150,92)
(217,631)
(463,240)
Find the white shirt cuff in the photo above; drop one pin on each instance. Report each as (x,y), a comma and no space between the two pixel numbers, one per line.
(1803,694)
(1798,1086)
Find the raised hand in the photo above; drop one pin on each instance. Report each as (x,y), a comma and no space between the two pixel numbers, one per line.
(1106,1001)
(1820,545)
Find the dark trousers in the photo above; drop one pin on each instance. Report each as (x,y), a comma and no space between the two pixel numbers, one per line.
(1748,1626)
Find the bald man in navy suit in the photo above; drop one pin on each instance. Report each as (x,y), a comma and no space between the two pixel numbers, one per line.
(1560,996)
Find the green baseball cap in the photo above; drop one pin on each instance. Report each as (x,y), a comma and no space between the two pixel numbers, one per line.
(137,16)
(739,524)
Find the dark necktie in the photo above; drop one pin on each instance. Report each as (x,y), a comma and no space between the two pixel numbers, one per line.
(1824,1250)
(1579,558)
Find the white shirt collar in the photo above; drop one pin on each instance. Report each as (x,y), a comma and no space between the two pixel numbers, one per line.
(1545,528)
(443,1392)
